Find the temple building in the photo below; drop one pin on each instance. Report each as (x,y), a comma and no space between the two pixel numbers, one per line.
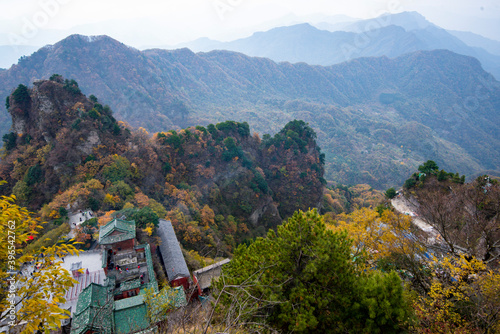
(118,304)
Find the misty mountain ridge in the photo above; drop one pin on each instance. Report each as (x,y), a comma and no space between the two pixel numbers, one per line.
(10,54)
(376,118)
(478,41)
(364,43)
(407,20)
(389,35)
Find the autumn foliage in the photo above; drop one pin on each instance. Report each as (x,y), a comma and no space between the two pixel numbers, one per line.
(38,293)
(218,184)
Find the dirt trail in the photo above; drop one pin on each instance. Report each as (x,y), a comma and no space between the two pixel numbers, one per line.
(401,204)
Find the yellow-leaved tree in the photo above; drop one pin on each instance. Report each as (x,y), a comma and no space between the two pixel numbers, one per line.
(387,241)
(377,235)
(30,298)
(464,297)
(456,294)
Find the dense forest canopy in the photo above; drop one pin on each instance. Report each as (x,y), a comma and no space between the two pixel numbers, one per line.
(352,264)
(218,184)
(376,119)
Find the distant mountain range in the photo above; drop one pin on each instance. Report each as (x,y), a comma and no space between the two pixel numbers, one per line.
(376,118)
(411,21)
(477,41)
(388,35)
(407,20)
(367,39)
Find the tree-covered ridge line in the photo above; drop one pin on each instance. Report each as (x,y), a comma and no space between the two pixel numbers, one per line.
(218,184)
(376,119)
(353,269)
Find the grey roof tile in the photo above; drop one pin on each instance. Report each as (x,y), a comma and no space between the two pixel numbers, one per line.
(173,259)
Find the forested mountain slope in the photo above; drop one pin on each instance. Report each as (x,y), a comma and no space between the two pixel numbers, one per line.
(219,185)
(376,118)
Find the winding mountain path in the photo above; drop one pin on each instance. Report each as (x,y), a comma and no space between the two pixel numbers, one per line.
(402,205)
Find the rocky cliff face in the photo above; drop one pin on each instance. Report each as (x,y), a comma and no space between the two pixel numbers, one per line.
(363,111)
(219,185)
(41,110)
(54,129)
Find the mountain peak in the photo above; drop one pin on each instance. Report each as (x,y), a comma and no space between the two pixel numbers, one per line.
(159,89)
(36,111)
(410,14)
(295,27)
(408,20)
(87,39)
(78,40)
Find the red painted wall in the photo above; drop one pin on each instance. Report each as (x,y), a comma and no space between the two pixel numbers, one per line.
(181,281)
(127,244)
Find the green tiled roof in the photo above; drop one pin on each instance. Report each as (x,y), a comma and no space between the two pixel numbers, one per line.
(133,284)
(151,273)
(129,302)
(104,258)
(132,315)
(97,311)
(98,320)
(94,295)
(167,299)
(178,296)
(110,283)
(94,311)
(126,229)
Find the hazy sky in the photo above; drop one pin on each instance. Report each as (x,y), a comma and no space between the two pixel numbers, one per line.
(147,22)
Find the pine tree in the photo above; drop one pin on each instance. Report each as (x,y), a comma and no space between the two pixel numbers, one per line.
(303,279)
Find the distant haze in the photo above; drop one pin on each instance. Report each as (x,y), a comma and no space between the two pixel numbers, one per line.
(153,23)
